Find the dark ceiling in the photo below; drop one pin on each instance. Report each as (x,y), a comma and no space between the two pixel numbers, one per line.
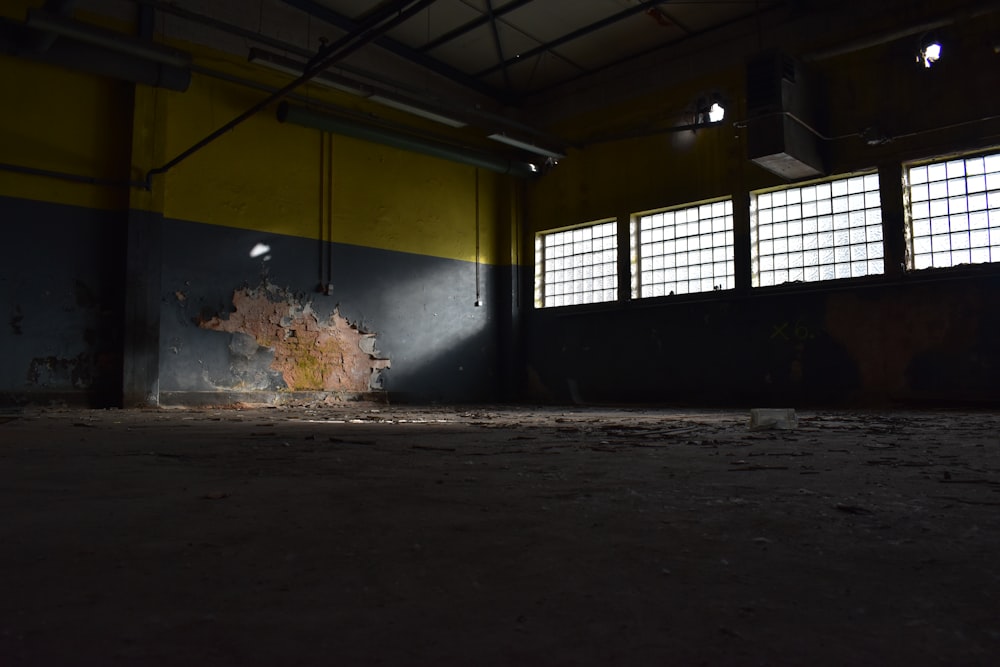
(511,49)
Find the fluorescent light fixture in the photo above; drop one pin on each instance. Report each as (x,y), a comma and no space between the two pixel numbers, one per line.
(109,39)
(417,111)
(929,53)
(524,145)
(296,68)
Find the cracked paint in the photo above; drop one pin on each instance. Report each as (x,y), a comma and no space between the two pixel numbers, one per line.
(310,354)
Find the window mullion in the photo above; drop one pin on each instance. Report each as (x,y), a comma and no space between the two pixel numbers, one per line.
(893,218)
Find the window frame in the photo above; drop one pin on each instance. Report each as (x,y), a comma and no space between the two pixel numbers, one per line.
(876,224)
(910,220)
(541,269)
(637,257)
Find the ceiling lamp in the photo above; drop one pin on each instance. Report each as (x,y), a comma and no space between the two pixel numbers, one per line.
(709,110)
(526,145)
(929,53)
(716,113)
(296,68)
(417,111)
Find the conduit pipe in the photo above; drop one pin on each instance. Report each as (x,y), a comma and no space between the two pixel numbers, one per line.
(381,21)
(95,60)
(116,41)
(968,12)
(66,176)
(44,40)
(296,115)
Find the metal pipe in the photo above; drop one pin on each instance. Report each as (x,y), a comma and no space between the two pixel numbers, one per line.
(325,13)
(370,30)
(96,60)
(44,40)
(308,118)
(65,176)
(972,11)
(116,41)
(365,76)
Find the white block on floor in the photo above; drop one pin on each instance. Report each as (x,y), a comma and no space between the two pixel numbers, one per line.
(773,418)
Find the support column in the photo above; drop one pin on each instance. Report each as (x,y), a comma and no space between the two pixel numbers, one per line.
(890,177)
(141,354)
(510,291)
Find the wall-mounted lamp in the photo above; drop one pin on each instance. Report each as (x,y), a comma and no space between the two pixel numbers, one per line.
(711,110)
(716,113)
(929,51)
(526,145)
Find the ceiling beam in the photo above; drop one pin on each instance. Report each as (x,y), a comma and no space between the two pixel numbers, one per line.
(367,31)
(455,33)
(349,25)
(576,34)
(496,40)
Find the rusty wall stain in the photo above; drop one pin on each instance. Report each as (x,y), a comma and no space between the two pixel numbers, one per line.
(884,336)
(311,355)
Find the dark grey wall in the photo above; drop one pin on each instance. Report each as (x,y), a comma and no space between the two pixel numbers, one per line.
(422,310)
(62,294)
(64,299)
(921,340)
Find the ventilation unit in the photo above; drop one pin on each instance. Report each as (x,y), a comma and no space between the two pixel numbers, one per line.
(780,137)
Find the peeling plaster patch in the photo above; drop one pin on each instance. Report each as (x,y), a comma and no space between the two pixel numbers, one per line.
(59,372)
(309,354)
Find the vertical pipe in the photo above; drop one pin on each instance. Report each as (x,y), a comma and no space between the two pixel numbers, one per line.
(321,215)
(742,269)
(478,293)
(329,213)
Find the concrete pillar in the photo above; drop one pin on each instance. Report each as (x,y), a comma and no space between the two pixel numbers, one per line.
(141,354)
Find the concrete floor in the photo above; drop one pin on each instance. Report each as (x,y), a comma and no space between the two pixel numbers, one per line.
(375,535)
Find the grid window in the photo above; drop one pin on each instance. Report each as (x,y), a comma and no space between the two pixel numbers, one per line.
(684,251)
(577,266)
(954,209)
(817,232)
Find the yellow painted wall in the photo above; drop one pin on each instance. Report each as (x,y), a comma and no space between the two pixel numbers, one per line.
(608,176)
(58,120)
(264,175)
(15,9)
(269,176)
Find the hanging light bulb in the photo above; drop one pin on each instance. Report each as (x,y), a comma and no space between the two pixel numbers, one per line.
(930,53)
(716,113)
